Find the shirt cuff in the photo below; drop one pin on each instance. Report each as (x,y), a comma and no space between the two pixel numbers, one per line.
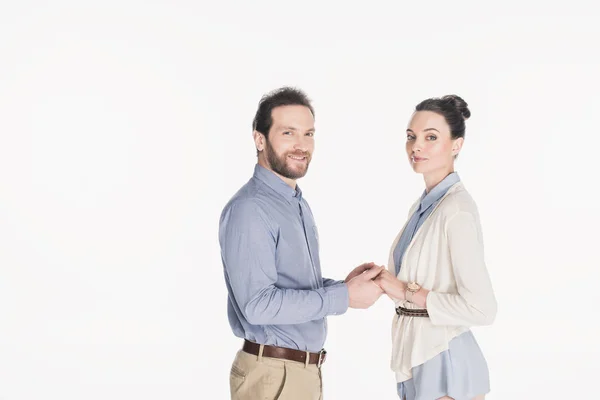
(337,298)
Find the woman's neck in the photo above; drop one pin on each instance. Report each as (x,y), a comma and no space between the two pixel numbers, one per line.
(435,177)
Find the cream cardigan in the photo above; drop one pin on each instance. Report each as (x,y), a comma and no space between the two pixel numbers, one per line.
(445,257)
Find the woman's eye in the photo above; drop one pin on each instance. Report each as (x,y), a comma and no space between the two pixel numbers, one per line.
(431,137)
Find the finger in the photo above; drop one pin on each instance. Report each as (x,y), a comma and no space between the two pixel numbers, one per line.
(382,276)
(372,273)
(376,283)
(385,274)
(370,264)
(365,267)
(377,286)
(380,290)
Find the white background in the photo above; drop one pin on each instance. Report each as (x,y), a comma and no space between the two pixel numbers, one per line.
(126,126)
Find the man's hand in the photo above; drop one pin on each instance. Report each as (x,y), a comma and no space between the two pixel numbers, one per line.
(393,287)
(359,270)
(362,290)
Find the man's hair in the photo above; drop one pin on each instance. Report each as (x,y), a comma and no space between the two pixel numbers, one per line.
(284,96)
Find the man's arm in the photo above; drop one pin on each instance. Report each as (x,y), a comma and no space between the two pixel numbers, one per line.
(248,252)
(331,282)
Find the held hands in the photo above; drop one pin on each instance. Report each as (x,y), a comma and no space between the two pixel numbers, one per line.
(362,289)
(394,288)
(367,282)
(359,270)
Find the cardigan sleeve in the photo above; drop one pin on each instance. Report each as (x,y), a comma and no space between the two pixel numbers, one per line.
(475,303)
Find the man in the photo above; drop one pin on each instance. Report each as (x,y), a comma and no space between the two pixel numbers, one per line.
(278,300)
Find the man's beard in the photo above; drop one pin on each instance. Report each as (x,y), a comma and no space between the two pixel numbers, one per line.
(280,166)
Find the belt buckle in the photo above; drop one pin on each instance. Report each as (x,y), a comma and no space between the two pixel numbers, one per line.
(322,355)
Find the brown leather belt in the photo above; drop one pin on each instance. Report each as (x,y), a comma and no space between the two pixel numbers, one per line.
(285,353)
(412,312)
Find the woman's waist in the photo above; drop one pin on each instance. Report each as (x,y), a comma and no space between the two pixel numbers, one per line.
(405,304)
(408,330)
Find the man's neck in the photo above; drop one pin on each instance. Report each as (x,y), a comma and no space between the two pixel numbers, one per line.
(290,182)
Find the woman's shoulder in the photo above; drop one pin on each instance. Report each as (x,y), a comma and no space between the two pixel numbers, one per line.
(458,200)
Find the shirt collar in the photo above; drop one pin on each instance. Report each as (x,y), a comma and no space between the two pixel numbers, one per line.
(435,194)
(273,181)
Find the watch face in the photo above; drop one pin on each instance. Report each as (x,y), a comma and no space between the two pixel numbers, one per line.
(413,286)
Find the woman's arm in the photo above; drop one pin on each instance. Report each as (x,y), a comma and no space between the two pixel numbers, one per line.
(475,303)
(391,285)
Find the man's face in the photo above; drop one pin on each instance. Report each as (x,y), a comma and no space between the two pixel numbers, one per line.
(290,144)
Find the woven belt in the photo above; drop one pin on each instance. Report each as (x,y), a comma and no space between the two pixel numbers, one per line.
(285,353)
(412,312)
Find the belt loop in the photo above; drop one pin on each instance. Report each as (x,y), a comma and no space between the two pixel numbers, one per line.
(307,360)
(260,352)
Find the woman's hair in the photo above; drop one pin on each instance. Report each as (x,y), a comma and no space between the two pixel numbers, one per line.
(454,110)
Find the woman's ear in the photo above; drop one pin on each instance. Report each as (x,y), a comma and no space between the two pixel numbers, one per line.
(457,146)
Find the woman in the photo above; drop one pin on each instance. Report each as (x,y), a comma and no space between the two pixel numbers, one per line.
(437,275)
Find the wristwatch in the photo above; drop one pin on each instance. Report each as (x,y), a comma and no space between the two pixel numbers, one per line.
(411,288)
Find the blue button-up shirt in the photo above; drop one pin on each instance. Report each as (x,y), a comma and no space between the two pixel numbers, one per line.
(270,253)
(426,206)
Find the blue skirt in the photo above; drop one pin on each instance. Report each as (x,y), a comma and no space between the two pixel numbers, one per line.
(460,372)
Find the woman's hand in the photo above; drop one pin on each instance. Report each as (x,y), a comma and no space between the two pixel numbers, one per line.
(391,285)
(419,298)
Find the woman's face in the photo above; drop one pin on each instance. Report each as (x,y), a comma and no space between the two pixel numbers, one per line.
(429,144)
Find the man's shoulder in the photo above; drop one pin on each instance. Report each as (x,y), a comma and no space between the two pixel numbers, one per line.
(249,198)
(245,213)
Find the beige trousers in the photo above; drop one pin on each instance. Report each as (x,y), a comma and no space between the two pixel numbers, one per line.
(263,378)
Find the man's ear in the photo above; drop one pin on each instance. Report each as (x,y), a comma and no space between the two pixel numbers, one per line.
(259,140)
